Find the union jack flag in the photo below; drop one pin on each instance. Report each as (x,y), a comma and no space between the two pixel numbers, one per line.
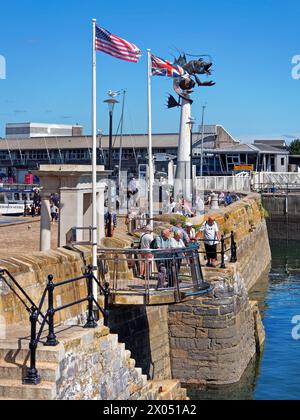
(161,67)
(115,46)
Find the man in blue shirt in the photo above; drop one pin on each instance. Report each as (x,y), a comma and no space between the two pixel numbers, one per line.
(228,199)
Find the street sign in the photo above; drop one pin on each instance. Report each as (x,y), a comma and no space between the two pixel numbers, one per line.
(239,168)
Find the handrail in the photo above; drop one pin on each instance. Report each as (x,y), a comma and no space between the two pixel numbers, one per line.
(159,269)
(32,376)
(72,240)
(276,187)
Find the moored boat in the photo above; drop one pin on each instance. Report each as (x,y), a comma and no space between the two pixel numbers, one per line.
(14,198)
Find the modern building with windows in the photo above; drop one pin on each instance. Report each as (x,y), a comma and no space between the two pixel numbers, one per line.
(222,152)
(36,130)
(23,154)
(260,156)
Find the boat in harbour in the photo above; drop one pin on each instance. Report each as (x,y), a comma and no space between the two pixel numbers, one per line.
(14,198)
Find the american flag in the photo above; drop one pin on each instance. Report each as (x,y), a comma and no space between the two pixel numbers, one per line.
(115,46)
(161,67)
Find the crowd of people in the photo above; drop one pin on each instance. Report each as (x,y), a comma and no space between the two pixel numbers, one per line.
(178,238)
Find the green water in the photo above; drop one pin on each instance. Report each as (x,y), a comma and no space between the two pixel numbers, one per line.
(276,375)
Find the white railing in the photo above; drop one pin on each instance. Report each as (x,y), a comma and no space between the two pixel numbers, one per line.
(225,183)
(276,179)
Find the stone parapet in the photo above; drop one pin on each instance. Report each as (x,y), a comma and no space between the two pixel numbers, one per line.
(32,271)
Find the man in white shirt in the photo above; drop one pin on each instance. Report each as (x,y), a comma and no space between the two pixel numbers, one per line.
(211,234)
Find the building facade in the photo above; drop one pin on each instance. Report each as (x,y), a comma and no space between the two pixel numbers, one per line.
(20,155)
(36,130)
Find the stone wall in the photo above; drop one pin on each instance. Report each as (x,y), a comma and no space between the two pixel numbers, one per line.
(247,220)
(145,332)
(212,339)
(95,366)
(85,365)
(32,271)
(284,216)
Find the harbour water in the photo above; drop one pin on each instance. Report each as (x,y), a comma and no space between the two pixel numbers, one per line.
(275,376)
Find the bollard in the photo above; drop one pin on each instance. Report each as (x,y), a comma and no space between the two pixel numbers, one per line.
(223,252)
(106,304)
(51,339)
(214,202)
(32,376)
(91,323)
(233,249)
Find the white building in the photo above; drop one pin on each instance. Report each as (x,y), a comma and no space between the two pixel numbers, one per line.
(37,130)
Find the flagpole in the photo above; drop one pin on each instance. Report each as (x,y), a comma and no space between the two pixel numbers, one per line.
(94,166)
(150,154)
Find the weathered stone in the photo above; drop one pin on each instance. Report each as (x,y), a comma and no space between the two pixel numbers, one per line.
(206,311)
(182,332)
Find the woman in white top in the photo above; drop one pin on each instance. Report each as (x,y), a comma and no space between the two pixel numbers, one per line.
(145,246)
(178,243)
(191,232)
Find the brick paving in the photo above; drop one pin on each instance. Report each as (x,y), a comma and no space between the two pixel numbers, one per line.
(23,238)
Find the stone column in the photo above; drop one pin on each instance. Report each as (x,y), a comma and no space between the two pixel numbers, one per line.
(45,234)
(71,214)
(183,169)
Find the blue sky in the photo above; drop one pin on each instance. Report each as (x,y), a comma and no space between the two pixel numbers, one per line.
(47,47)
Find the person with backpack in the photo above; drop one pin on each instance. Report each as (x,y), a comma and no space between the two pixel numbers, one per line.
(211,234)
(145,245)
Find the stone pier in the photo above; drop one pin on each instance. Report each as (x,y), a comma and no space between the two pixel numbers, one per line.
(212,339)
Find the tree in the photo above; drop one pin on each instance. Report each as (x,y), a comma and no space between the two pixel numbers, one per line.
(295,147)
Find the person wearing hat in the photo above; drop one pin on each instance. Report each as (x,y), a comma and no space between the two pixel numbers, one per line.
(190,231)
(145,245)
(211,234)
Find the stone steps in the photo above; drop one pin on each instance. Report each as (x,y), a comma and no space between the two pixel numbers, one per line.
(12,352)
(14,357)
(50,372)
(171,390)
(13,389)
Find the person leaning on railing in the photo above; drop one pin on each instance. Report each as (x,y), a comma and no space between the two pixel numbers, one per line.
(177,243)
(211,234)
(145,245)
(163,242)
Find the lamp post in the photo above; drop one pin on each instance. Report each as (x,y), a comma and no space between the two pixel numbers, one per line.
(111,105)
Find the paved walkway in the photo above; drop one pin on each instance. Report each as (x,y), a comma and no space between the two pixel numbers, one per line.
(23,237)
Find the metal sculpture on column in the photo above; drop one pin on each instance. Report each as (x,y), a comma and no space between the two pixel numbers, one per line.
(184,86)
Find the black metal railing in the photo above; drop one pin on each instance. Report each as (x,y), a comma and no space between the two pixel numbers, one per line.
(132,270)
(32,376)
(136,271)
(19,292)
(227,246)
